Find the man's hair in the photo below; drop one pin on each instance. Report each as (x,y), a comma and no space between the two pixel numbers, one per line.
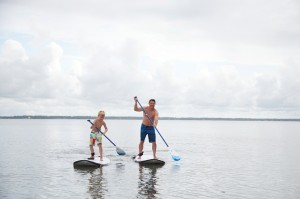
(152,100)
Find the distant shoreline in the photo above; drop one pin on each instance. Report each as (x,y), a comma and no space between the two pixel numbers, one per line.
(138,118)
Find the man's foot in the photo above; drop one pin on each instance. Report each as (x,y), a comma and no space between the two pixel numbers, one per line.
(140,154)
(154,157)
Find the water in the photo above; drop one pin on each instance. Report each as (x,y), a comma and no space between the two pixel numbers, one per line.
(220,159)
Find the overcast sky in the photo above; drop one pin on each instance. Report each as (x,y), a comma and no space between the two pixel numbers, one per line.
(234,58)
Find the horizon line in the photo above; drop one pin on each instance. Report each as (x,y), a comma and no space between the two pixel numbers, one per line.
(139,117)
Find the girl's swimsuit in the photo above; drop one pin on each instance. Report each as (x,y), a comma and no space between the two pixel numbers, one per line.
(95,136)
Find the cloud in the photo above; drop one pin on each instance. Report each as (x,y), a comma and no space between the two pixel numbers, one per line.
(195,58)
(104,81)
(39,76)
(290,85)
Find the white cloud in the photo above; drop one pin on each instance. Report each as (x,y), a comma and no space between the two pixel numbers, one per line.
(196,58)
(39,76)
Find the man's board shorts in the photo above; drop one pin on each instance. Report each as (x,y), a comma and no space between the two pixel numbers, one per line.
(148,130)
(95,136)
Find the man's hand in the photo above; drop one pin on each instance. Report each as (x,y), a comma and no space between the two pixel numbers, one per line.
(135,108)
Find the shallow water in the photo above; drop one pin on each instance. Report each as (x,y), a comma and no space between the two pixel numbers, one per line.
(220,159)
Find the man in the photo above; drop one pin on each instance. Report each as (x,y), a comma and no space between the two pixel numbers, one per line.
(147,128)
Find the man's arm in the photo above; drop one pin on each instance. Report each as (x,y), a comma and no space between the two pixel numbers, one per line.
(136,108)
(156,118)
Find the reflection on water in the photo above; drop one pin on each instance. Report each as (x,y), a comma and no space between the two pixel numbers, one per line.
(97,183)
(148,182)
(176,167)
(220,159)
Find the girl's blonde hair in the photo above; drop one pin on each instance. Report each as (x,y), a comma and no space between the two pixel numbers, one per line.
(101,113)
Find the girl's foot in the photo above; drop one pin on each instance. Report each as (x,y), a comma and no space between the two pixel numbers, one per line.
(92,156)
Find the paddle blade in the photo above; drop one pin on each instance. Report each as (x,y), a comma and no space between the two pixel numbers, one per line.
(175,155)
(120,151)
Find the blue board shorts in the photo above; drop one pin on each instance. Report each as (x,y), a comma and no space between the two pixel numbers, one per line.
(148,130)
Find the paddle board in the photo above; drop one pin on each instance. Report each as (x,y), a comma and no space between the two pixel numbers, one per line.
(92,163)
(148,160)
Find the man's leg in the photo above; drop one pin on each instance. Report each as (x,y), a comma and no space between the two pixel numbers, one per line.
(154,150)
(142,136)
(141,147)
(152,139)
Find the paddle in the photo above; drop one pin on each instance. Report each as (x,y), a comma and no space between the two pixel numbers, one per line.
(119,151)
(173,153)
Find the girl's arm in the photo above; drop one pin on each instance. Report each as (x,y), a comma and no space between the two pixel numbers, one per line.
(92,127)
(105,127)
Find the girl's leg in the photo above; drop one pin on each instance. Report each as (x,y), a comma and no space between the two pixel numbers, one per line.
(92,143)
(92,152)
(100,151)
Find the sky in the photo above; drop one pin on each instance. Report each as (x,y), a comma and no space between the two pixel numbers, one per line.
(235,58)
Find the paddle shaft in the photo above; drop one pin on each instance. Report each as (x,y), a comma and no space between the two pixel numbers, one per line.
(101,132)
(152,123)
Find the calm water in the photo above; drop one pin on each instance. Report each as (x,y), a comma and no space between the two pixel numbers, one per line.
(220,159)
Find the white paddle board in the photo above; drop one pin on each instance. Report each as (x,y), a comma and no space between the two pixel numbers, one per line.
(92,163)
(148,160)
